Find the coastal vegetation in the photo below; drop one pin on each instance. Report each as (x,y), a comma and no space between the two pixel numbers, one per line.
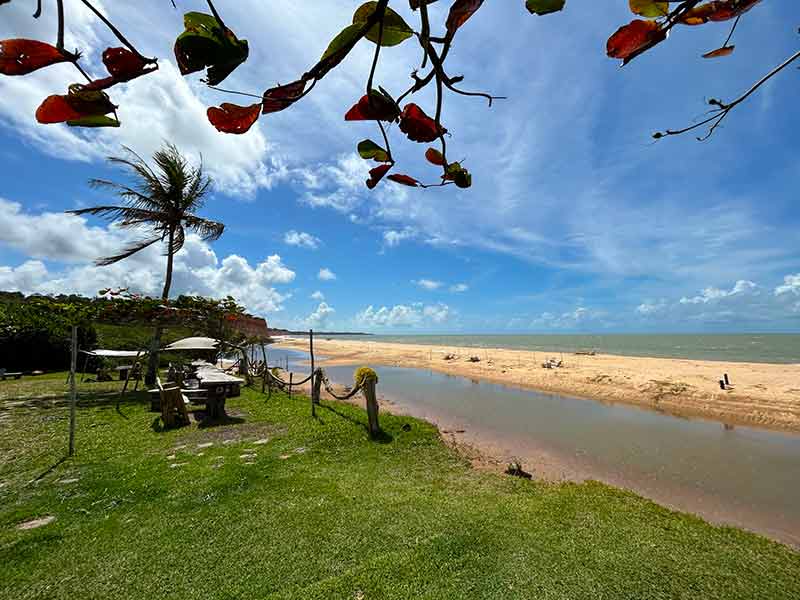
(275,504)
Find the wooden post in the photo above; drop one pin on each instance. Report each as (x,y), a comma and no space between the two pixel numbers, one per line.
(83,373)
(128,375)
(264,373)
(314,384)
(73,389)
(372,407)
(291,376)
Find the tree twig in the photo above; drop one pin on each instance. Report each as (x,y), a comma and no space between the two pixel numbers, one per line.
(722,109)
(115,31)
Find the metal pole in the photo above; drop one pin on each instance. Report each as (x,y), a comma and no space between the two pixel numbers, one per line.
(72,389)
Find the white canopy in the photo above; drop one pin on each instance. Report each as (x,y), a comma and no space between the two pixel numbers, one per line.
(194,343)
(114,353)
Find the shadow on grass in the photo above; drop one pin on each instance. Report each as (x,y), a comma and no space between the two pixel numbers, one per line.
(50,469)
(204,423)
(98,400)
(382,438)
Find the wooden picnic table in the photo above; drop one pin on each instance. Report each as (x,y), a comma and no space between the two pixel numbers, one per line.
(218,386)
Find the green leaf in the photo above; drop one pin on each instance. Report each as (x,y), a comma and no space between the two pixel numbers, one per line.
(205,43)
(395,29)
(340,46)
(368,149)
(459,175)
(649,8)
(544,7)
(94,121)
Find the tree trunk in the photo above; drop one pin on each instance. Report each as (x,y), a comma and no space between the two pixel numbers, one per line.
(155,344)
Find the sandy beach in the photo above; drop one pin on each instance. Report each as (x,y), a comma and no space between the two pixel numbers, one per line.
(761,395)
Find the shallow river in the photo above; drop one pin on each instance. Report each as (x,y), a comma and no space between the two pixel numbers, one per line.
(742,476)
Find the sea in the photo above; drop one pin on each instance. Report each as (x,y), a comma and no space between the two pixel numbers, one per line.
(762,348)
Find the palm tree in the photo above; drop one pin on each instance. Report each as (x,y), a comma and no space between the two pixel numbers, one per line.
(163,201)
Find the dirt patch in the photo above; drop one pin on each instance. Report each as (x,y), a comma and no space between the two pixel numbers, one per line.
(658,390)
(231,434)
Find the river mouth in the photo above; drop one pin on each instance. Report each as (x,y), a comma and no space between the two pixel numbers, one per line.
(740,476)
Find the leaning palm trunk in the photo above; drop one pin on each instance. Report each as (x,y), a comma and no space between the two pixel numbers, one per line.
(155,344)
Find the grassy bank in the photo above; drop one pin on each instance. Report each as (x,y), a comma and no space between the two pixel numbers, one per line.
(284,506)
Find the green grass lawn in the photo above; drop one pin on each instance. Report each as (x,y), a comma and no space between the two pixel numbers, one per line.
(284,506)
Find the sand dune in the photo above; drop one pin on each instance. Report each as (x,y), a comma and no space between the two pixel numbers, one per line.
(763,395)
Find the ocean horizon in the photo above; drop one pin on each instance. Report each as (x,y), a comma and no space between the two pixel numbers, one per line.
(782,348)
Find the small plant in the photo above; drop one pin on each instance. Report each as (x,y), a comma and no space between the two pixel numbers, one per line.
(515,468)
(364,374)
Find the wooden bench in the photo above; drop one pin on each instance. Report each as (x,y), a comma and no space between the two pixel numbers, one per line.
(173,405)
(5,375)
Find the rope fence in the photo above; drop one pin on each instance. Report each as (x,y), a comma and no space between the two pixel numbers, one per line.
(329,388)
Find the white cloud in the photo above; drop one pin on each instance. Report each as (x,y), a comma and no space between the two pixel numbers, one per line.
(326,274)
(56,236)
(302,239)
(791,285)
(459,288)
(393,238)
(744,302)
(712,294)
(574,319)
(318,296)
(319,318)
(402,315)
(651,308)
(438,313)
(68,241)
(427,284)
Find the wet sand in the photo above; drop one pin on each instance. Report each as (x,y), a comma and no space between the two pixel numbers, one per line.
(761,395)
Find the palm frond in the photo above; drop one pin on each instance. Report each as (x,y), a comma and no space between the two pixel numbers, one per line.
(161,198)
(175,172)
(198,188)
(136,198)
(150,183)
(208,230)
(127,252)
(124,216)
(178,240)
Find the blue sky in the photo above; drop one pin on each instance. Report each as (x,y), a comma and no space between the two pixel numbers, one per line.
(576,221)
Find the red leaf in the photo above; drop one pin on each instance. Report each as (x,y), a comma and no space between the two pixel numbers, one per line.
(717,10)
(78,104)
(56,109)
(460,12)
(20,57)
(724,51)
(123,65)
(634,38)
(435,157)
(283,96)
(376,174)
(231,118)
(404,179)
(379,106)
(418,126)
